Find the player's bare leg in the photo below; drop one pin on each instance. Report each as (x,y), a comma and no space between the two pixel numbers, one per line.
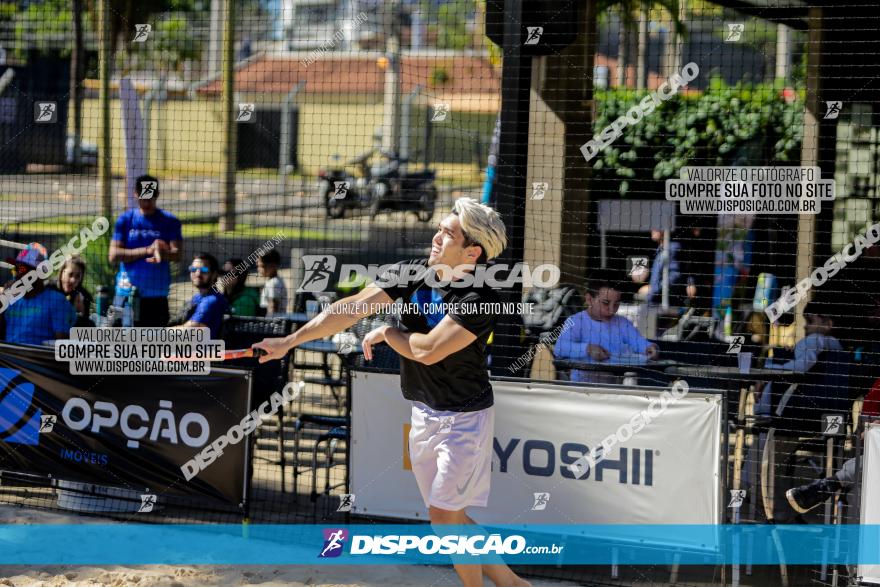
(500,574)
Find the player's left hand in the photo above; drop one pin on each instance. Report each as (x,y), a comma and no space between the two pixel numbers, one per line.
(373,337)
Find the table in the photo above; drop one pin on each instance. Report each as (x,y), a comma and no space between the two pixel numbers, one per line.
(615,367)
(326,348)
(295,317)
(734,374)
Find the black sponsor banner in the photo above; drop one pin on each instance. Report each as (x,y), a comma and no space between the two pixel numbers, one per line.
(128,431)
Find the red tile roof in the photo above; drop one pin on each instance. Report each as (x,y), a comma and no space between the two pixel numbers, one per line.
(359,75)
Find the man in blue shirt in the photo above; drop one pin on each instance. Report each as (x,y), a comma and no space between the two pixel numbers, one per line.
(42,313)
(144,241)
(207,306)
(599,334)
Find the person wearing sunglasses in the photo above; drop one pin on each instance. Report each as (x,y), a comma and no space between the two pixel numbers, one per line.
(208,306)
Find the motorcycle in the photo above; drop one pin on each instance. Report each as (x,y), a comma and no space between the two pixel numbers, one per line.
(404,191)
(379,187)
(340,190)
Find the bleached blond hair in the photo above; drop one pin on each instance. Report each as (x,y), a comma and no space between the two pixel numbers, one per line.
(481,226)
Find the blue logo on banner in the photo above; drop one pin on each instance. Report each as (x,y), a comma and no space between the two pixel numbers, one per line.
(334,538)
(19,417)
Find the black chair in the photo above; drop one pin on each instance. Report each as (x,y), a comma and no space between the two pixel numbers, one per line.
(326,422)
(243,331)
(813,414)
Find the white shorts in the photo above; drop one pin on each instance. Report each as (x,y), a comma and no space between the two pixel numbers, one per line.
(451,456)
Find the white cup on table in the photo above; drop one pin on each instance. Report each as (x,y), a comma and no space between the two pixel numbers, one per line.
(745,362)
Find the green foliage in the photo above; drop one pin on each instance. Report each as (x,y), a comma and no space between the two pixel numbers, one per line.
(40,26)
(173,43)
(439,76)
(452,19)
(707,129)
(99,271)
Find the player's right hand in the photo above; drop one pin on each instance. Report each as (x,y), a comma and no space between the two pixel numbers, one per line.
(275,349)
(597,353)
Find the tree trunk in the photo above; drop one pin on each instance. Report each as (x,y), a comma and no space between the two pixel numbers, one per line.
(77,75)
(622,40)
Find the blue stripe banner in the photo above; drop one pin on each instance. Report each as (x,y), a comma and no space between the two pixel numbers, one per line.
(106,544)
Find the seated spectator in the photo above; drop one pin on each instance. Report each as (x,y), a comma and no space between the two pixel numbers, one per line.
(208,306)
(818,339)
(653,291)
(806,497)
(243,301)
(42,313)
(70,284)
(599,334)
(273,298)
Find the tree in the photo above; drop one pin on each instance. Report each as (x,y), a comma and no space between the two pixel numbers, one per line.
(634,15)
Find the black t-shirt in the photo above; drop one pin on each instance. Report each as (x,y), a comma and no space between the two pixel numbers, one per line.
(460,382)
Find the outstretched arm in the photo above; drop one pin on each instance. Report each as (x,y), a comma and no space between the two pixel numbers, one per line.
(337,317)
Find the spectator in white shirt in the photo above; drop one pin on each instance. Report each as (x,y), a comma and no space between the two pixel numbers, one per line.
(273,298)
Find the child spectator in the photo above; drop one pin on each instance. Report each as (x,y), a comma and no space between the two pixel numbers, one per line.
(243,301)
(273,298)
(70,284)
(42,313)
(599,334)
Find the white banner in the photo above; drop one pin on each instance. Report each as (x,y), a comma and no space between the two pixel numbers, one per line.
(667,473)
(871,494)
(133,129)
